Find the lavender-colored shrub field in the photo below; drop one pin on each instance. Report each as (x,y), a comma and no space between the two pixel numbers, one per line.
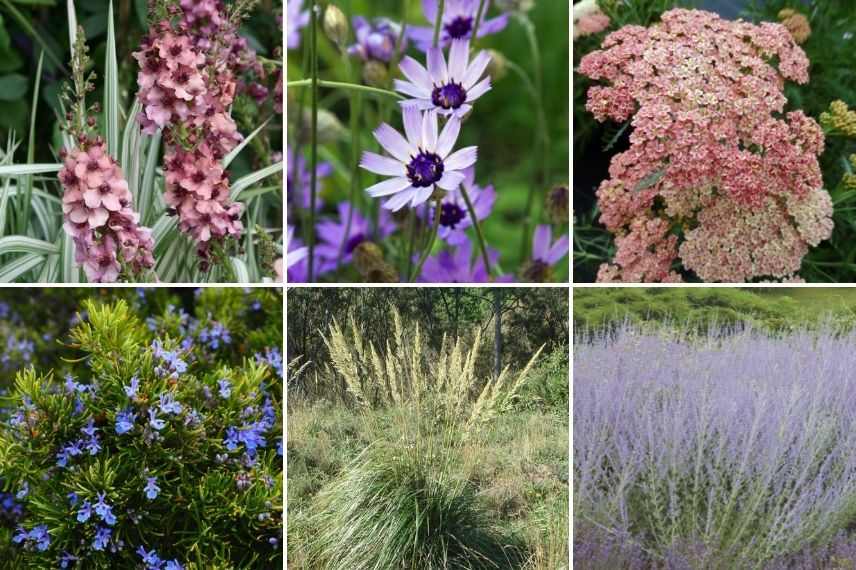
(734,450)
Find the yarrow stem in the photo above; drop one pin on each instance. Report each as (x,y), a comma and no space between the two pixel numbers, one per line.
(344,85)
(477,227)
(433,237)
(438,22)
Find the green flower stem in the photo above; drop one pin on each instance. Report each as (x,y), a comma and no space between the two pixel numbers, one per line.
(479,15)
(355,104)
(539,179)
(411,243)
(427,251)
(477,227)
(313,159)
(343,85)
(399,42)
(441,6)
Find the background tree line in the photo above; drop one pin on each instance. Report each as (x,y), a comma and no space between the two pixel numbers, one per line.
(517,320)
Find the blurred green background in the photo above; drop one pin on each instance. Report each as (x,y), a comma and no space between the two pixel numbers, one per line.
(503,123)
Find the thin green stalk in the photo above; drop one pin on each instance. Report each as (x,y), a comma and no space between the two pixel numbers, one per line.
(24,220)
(441,6)
(477,227)
(343,85)
(411,242)
(427,251)
(540,179)
(479,15)
(313,157)
(399,42)
(355,104)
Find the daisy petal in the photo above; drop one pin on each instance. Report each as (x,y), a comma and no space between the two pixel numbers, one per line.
(429,131)
(393,142)
(421,196)
(493,25)
(412,118)
(399,200)
(416,73)
(378,164)
(410,89)
(478,89)
(450,180)
(448,137)
(558,251)
(476,69)
(458,58)
(388,187)
(437,66)
(541,242)
(461,159)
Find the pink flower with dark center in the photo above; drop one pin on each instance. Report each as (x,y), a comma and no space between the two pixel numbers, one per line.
(98,215)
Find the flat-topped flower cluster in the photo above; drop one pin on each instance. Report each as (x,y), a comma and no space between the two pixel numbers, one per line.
(717,176)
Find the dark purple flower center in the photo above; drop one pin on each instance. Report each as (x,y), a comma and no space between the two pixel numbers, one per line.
(460,27)
(449,96)
(536,271)
(425,169)
(352,243)
(451,214)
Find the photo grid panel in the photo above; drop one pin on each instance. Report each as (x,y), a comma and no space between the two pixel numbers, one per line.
(428,427)
(141,428)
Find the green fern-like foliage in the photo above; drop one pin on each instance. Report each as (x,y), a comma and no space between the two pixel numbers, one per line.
(176,401)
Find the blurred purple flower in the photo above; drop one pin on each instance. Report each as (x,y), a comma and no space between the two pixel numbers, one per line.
(420,162)
(454,218)
(448,89)
(376,39)
(458,21)
(544,250)
(458,267)
(296,18)
(332,233)
(299,181)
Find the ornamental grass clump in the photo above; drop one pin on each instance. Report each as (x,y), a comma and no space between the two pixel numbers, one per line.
(157,450)
(408,504)
(732,450)
(718,178)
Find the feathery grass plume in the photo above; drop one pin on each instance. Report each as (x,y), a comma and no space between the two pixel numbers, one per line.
(408,506)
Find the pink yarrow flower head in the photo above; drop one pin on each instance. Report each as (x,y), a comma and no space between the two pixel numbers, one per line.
(449,89)
(705,99)
(458,22)
(419,163)
(97,207)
